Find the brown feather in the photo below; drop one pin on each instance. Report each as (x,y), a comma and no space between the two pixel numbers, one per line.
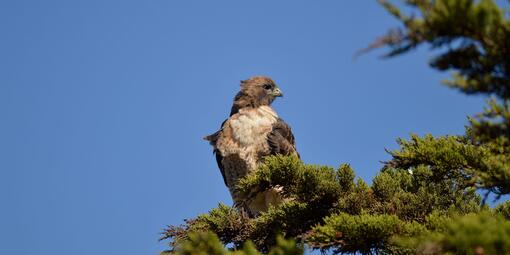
(281,140)
(219,158)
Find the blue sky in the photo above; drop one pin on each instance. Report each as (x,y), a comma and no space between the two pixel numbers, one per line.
(103,105)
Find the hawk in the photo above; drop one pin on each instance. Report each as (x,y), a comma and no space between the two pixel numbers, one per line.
(252,132)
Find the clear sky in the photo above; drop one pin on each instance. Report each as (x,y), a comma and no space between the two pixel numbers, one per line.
(103,105)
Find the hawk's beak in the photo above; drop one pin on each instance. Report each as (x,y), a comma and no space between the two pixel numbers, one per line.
(277,92)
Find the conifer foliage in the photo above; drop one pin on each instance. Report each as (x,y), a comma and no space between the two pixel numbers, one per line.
(424,200)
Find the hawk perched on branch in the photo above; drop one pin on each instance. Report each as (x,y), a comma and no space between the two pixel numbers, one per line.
(252,132)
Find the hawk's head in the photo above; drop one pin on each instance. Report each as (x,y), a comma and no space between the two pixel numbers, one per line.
(256,91)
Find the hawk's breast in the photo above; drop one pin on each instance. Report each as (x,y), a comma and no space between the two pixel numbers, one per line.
(251,126)
(245,135)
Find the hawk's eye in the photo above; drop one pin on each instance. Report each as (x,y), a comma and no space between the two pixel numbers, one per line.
(267,86)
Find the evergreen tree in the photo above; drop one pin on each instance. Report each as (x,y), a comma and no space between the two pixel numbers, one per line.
(424,200)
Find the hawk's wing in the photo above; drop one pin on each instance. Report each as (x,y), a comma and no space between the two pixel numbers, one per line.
(281,139)
(219,158)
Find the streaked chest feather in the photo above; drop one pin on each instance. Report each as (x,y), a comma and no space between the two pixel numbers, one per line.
(251,126)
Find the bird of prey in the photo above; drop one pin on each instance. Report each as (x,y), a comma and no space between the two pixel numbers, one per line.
(252,132)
